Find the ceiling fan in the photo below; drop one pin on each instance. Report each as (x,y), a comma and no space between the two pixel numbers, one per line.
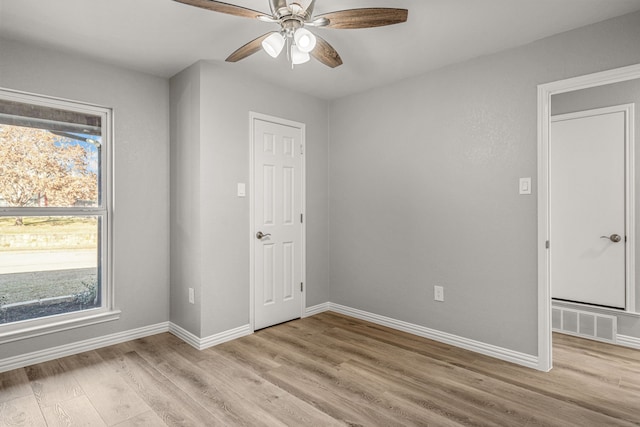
(293,16)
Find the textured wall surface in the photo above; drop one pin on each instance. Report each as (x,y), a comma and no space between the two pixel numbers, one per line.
(220,155)
(416,187)
(186,226)
(424,187)
(140,104)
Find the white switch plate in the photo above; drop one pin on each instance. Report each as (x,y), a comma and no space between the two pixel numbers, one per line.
(438,293)
(242,189)
(525,185)
(192,296)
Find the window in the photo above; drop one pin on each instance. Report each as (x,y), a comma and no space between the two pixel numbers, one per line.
(54,215)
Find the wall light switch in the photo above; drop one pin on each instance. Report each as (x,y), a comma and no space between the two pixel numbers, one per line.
(242,189)
(525,185)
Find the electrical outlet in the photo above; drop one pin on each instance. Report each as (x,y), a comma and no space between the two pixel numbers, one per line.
(192,296)
(438,293)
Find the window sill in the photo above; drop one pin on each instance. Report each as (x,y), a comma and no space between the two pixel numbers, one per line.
(31,330)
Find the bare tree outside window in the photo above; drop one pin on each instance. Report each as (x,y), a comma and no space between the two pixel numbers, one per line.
(40,168)
(52,216)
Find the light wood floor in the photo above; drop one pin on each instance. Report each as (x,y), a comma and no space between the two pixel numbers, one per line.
(324,370)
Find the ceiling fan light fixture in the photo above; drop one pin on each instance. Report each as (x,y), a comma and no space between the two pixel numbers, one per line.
(273,44)
(305,40)
(298,57)
(292,16)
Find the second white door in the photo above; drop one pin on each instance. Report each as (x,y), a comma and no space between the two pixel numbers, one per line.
(277,228)
(587,207)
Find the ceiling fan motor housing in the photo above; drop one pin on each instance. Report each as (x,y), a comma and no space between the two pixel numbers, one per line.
(291,24)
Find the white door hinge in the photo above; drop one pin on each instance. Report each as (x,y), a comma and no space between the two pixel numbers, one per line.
(301,148)
(301,287)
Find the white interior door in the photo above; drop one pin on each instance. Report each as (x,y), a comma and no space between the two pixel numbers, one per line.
(587,207)
(277,228)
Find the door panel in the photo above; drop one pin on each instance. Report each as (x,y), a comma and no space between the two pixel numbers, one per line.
(278,206)
(587,202)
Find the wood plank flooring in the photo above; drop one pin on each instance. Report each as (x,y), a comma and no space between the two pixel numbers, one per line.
(325,370)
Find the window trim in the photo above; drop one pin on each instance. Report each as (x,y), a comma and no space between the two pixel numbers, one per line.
(46,325)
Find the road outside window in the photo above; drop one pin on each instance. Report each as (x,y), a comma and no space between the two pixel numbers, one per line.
(53,209)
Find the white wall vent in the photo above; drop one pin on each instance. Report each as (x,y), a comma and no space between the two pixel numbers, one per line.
(585,324)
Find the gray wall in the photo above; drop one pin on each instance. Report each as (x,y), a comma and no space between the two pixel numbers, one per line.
(606,96)
(186,226)
(141,156)
(220,143)
(417,187)
(424,187)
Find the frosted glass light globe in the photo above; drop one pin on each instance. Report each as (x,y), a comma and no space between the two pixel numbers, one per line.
(305,40)
(273,44)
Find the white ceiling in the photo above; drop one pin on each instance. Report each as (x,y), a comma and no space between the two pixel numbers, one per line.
(163,37)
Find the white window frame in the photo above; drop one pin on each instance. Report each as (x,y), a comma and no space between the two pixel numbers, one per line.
(45,325)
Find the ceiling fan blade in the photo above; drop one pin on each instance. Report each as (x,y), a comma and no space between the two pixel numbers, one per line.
(365,18)
(218,6)
(317,22)
(248,49)
(325,53)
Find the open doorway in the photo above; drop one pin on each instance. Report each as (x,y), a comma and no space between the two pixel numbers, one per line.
(592,92)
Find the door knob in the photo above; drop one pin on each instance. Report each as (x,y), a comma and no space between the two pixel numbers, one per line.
(615,238)
(260,235)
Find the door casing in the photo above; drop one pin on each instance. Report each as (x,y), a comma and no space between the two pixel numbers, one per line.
(253,116)
(545,91)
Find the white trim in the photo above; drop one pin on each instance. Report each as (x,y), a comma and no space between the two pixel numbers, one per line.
(46,355)
(264,117)
(602,78)
(52,326)
(544,108)
(501,353)
(317,309)
(44,325)
(628,341)
(545,357)
(231,334)
(251,237)
(184,335)
(212,340)
(630,214)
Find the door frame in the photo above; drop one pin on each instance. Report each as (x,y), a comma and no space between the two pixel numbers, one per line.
(545,91)
(253,116)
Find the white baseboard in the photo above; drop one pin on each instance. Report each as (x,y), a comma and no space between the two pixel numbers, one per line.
(11,363)
(212,340)
(454,340)
(317,309)
(628,341)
